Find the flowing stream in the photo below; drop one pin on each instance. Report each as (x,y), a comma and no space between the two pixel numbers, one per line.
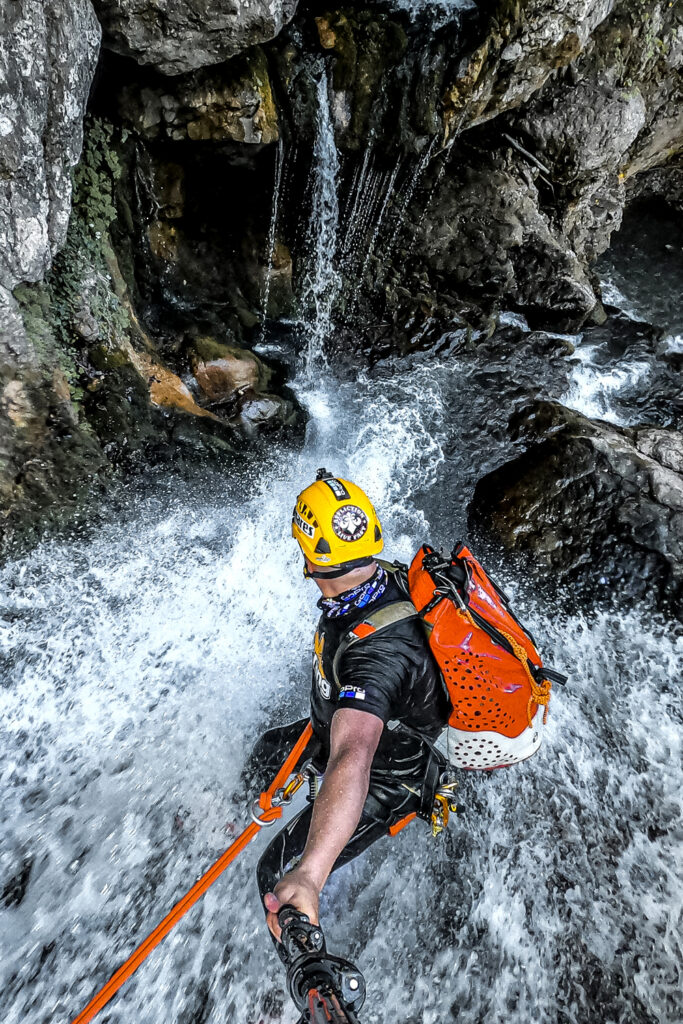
(141,659)
(139,664)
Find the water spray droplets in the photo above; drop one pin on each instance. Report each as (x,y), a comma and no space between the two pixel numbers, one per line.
(272,234)
(342,238)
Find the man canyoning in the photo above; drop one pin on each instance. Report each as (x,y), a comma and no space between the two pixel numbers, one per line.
(400,655)
(377,702)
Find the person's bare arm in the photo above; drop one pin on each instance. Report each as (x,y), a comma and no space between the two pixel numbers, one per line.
(354,736)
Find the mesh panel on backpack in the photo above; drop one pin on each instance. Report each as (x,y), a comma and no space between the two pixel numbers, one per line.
(489,663)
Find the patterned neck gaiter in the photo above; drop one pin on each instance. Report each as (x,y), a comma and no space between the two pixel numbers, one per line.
(354,600)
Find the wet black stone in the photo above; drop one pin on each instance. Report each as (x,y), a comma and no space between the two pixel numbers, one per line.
(14,889)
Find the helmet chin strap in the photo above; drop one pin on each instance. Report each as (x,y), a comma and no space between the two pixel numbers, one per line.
(335,572)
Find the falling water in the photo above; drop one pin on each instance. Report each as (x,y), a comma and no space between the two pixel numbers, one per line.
(407,193)
(322,281)
(364,214)
(379,219)
(279,161)
(438,11)
(351,207)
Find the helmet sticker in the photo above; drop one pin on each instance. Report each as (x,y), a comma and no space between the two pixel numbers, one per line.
(338,489)
(349,522)
(303,525)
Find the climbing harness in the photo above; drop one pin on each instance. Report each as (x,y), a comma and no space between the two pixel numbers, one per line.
(270,803)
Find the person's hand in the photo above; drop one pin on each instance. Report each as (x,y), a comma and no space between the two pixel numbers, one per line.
(297,890)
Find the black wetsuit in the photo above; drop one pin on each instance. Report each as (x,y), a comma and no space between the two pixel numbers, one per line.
(391,675)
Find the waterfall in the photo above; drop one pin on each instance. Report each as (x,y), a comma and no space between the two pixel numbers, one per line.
(408,192)
(270,255)
(388,190)
(322,281)
(142,659)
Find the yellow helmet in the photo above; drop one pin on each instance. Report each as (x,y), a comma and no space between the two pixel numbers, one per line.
(336,525)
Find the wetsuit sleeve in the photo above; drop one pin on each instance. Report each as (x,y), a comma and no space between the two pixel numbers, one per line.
(372,677)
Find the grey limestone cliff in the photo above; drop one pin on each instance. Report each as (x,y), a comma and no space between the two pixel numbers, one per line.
(182,35)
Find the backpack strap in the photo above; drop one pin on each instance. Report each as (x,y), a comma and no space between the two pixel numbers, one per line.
(373,623)
(399,572)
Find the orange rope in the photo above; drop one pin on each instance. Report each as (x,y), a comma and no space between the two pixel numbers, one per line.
(199,888)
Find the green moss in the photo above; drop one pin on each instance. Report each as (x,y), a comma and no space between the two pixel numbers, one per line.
(258,69)
(82,269)
(208,350)
(104,358)
(80,284)
(35,303)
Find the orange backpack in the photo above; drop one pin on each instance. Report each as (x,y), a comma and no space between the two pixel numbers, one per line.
(493,672)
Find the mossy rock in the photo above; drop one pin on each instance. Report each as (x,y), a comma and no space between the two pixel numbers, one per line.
(221,370)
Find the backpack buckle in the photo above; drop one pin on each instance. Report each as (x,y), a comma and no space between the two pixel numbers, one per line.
(434,561)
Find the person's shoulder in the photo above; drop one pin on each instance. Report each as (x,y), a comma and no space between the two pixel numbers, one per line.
(406,625)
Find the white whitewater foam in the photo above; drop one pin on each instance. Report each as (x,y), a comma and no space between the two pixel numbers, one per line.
(613,296)
(510,319)
(594,386)
(673,344)
(138,666)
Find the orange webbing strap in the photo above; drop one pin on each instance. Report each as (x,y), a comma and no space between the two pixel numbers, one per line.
(199,888)
(401,823)
(540,692)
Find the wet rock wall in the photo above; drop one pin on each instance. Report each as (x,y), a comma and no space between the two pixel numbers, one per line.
(484,162)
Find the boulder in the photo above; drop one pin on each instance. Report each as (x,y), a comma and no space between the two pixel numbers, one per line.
(166,389)
(233,383)
(261,413)
(222,370)
(233,103)
(182,35)
(591,505)
(487,238)
(48,53)
(615,114)
(525,43)
(556,112)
